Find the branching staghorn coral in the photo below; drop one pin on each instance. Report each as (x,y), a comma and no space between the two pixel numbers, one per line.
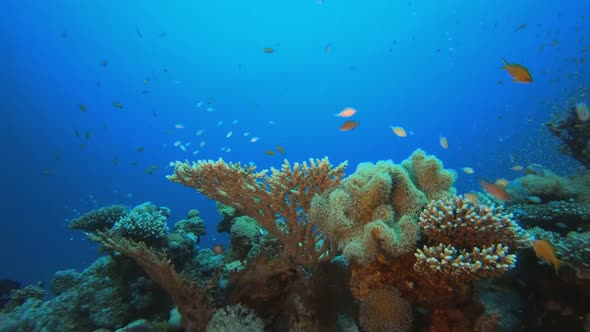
(279,202)
(194,304)
(373,214)
(467,242)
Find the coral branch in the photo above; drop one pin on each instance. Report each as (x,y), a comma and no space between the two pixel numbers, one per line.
(463,265)
(194,304)
(279,202)
(467,242)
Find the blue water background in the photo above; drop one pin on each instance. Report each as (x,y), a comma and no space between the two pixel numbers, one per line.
(429,66)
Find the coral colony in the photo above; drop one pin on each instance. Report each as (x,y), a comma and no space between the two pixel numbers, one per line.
(390,247)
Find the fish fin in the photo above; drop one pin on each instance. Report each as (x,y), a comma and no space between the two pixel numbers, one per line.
(505,66)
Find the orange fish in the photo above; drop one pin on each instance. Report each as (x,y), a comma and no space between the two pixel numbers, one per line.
(472,197)
(268,50)
(399,131)
(270,153)
(349,125)
(518,72)
(495,190)
(281,150)
(347,112)
(546,250)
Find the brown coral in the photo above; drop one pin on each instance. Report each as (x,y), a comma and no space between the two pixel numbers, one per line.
(194,304)
(279,202)
(385,310)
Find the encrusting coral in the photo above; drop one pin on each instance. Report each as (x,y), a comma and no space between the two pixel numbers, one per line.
(373,214)
(278,202)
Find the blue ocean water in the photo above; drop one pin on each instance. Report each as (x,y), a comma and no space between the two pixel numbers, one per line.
(431,67)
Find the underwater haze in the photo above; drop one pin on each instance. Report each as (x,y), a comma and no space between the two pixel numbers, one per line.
(101,98)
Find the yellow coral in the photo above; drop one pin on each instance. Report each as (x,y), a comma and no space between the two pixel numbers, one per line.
(373,214)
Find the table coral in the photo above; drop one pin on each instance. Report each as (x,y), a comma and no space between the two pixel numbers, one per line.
(373,214)
(279,202)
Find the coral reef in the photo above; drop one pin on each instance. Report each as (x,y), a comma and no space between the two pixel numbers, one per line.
(83,301)
(145,223)
(245,233)
(558,216)
(288,297)
(373,214)
(185,235)
(574,133)
(99,219)
(235,318)
(467,242)
(278,202)
(415,256)
(194,304)
(573,249)
(385,310)
(194,225)
(227,213)
(20,296)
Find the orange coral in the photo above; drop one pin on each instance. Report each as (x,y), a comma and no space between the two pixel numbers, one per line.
(279,202)
(194,304)
(385,310)
(428,292)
